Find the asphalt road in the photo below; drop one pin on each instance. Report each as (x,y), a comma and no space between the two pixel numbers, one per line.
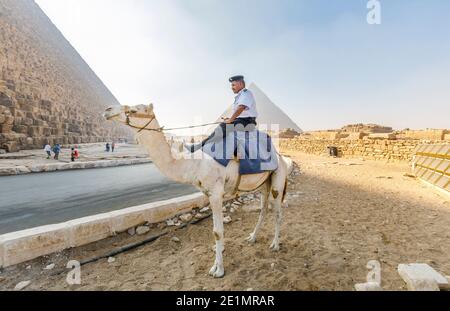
(40,199)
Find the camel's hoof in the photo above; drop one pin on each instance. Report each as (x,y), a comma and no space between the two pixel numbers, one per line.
(251,239)
(216,271)
(275,246)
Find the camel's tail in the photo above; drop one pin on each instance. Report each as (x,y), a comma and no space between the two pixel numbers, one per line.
(290,169)
(290,165)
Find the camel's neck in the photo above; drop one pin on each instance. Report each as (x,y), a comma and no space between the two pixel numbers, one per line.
(160,153)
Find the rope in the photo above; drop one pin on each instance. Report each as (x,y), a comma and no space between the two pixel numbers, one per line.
(189,127)
(162,129)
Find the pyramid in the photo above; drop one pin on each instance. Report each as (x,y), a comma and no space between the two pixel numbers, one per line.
(48,93)
(268,112)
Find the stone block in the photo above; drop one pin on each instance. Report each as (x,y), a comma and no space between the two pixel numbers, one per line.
(6,100)
(6,128)
(10,146)
(1,252)
(175,206)
(7,171)
(26,245)
(391,136)
(35,131)
(20,170)
(86,230)
(22,129)
(422,277)
(123,220)
(47,167)
(27,121)
(29,244)
(76,165)
(355,136)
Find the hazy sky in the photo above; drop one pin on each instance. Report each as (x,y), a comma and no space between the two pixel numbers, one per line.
(318,60)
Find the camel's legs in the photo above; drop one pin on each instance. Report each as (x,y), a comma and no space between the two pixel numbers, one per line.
(264,206)
(216,201)
(276,196)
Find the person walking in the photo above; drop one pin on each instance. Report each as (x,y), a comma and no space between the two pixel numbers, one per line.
(113,146)
(56,151)
(76,152)
(48,150)
(72,155)
(107,147)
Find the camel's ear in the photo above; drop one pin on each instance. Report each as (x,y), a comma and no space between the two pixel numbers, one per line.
(150,107)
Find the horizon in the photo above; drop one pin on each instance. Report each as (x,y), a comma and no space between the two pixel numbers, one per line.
(321,63)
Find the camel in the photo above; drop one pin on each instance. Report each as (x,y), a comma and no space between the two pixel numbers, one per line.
(217,182)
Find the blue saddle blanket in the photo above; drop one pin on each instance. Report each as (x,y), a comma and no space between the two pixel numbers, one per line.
(254,150)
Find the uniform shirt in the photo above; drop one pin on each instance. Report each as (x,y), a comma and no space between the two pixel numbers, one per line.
(245,98)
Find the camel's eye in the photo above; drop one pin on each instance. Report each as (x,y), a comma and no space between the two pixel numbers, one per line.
(109,109)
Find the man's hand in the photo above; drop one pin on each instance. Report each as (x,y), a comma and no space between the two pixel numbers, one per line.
(235,115)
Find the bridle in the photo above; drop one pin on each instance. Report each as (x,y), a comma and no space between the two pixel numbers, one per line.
(141,116)
(160,129)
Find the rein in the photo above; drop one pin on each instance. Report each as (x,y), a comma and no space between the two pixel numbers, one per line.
(161,129)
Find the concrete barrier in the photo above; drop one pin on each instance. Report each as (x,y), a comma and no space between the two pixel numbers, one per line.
(1,252)
(53,167)
(21,246)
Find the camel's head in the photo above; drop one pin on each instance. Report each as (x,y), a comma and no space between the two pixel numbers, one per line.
(136,115)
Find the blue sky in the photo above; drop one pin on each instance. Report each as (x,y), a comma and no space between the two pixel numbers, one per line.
(319,60)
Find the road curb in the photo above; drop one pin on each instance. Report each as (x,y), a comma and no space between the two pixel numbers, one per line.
(53,167)
(21,246)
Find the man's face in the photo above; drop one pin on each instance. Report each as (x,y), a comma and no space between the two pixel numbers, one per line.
(237,86)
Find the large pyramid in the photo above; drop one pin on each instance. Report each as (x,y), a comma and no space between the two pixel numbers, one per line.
(268,112)
(48,94)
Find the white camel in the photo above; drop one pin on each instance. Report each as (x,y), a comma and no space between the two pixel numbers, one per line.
(219,183)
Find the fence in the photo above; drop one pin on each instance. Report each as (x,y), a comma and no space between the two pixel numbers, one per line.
(432,164)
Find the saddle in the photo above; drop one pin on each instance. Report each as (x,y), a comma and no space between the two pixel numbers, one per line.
(253,150)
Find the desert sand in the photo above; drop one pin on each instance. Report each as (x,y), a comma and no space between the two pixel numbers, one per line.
(342,213)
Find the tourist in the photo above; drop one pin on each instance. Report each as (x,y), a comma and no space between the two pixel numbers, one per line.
(113,146)
(72,155)
(244,114)
(56,151)
(107,147)
(48,150)
(77,153)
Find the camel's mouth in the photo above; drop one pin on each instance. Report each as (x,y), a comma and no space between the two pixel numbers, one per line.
(109,117)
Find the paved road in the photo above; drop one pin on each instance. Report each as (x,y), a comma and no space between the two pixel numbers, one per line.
(45,198)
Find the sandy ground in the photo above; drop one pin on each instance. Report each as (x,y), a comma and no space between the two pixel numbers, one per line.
(88,152)
(340,216)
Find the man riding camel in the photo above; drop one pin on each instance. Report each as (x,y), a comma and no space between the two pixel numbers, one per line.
(243,118)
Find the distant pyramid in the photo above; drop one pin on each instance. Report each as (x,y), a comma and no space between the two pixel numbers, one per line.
(268,112)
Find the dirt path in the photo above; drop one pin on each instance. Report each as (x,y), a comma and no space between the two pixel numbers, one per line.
(340,216)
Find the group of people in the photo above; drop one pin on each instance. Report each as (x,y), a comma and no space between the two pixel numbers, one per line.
(110,147)
(56,149)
